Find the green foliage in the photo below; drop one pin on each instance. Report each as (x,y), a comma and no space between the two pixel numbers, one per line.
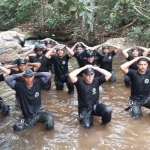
(77,7)
(16,12)
(56,17)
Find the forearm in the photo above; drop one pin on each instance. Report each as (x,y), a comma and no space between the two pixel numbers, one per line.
(74,46)
(10,66)
(99,54)
(71,52)
(35,66)
(97,46)
(6,71)
(124,67)
(48,54)
(74,73)
(45,76)
(11,80)
(27,53)
(106,73)
(145,50)
(125,52)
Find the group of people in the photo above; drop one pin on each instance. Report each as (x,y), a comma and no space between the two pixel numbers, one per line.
(94,68)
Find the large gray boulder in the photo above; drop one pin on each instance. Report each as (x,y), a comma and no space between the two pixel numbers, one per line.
(11,43)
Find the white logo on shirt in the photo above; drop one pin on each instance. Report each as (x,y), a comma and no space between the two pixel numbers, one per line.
(109,57)
(94,91)
(36,94)
(146,81)
(63,62)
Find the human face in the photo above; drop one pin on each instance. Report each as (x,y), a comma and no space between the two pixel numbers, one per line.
(88,78)
(60,53)
(48,46)
(22,67)
(105,51)
(90,59)
(79,49)
(28,80)
(39,52)
(135,53)
(142,67)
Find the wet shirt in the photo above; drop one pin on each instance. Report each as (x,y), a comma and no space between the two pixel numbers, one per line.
(30,98)
(107,61)
(60,65)
(88,94)
(45,63)
(13,71)
(80,57)
(133,66)
(140,83)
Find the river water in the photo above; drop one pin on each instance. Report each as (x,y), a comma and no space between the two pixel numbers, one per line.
(122,133)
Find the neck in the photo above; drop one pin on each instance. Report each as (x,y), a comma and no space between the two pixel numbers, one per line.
(29,85)
(141,72)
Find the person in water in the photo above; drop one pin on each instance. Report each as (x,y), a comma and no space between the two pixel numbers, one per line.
(135,52)
(60,60)
(106,63)
(4,108)
(21,65)
(29,94)
(140,85)
(40,57)
(88,95)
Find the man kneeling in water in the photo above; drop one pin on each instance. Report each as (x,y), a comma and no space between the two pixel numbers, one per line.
(140,85)
(88,95)
(30,99)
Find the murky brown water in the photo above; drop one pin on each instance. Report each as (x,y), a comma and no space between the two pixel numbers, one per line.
(122,133)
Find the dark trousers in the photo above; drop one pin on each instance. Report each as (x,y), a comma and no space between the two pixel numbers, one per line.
(135,106)
(127,80)
(44,117)
(113,77)
(59,82)
(99,109)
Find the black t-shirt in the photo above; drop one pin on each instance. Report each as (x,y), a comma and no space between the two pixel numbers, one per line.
(13,71)
(80,57)
(140,83)
(133,66)
(45,63)
(60,65)
(1,77)
(30,99)
(107,61)
(88,94)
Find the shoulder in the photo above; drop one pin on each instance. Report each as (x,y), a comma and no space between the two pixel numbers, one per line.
(78,82)
(112,53)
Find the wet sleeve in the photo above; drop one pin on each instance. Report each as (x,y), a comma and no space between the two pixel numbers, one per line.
(31,59)
(130,73)
(13,71)
(101,79)
(77,83)
(11,80)
(45,76)
(129,58)
(81,54)
(113,53)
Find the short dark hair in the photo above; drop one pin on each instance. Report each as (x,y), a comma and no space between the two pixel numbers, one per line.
(142,59)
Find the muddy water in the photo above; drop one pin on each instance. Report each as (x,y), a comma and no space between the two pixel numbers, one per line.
(122,133)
